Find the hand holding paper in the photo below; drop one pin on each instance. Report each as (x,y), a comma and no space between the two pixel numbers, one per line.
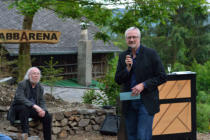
(128,96)
(136,90)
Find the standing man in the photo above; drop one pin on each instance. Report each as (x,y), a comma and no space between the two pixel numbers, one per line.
(29,102)
(140,71)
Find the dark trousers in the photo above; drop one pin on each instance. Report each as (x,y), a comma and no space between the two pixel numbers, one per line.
(23,113)
(138,122)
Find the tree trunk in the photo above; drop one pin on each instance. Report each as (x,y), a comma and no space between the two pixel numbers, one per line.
(24,57)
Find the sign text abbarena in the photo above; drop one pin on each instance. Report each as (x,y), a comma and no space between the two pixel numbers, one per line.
(29,36)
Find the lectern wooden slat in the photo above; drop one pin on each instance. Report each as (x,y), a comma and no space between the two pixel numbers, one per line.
(177,117)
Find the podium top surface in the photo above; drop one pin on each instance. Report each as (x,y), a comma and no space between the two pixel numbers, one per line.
(181,75)
(182,72)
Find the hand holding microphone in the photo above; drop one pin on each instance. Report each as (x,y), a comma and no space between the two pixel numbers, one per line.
(129,60)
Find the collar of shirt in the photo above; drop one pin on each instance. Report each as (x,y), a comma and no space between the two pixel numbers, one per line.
(138,50)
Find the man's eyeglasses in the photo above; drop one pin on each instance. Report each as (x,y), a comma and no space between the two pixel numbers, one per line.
(130,37)
(35,73)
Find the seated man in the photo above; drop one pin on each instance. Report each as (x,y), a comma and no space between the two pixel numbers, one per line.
(29,103)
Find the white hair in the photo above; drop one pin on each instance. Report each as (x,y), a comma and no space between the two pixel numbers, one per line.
(133,28)
(26,77)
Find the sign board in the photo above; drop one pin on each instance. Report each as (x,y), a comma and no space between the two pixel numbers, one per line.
(28,36)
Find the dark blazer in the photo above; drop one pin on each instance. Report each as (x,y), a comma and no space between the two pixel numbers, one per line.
(22,95)
(149,70)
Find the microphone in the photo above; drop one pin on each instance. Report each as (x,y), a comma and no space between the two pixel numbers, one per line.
(129,53)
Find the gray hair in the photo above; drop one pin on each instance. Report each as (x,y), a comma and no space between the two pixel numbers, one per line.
(26,77)
(133,28)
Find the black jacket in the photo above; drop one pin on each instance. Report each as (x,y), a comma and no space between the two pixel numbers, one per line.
(149,70)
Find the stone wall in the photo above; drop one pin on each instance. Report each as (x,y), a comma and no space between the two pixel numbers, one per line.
(68,123)
(68,119)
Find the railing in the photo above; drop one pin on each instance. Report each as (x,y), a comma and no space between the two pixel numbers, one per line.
(70,70)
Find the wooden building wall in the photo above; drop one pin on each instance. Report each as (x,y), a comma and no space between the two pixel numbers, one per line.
(69,63)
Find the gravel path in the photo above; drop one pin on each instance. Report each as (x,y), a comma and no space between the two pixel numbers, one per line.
(66,93)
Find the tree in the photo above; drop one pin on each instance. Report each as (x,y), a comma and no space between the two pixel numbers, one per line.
(160,30)
(51,74)
(184,37)
(144,13)
(64,8)
(140,13)
(28,8)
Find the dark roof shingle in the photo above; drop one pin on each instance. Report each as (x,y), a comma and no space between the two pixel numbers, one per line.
(48,20)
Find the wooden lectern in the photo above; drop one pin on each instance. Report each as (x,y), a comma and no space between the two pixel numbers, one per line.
(177,117)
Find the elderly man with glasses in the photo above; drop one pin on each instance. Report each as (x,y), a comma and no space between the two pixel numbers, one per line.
(139,71)
(29,103)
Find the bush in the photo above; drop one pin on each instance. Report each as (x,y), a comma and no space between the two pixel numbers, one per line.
(89,96)
(203,76)
(203,117)
(178,67)
(109,89)
(203,96)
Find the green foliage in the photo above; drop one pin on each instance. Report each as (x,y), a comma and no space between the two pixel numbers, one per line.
(178,67)
(143,13)
(93,96)
(203,76)
(85,11)
(184,37)
(203,117)
(7,67)
(119,41)
(108,89)
(96,13)
(103,36)
(89,96)
(203,96)
(50,73)
(30,7)
(65,9)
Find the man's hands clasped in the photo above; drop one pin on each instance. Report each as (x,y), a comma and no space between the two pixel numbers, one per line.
(39,110)
(136,90)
